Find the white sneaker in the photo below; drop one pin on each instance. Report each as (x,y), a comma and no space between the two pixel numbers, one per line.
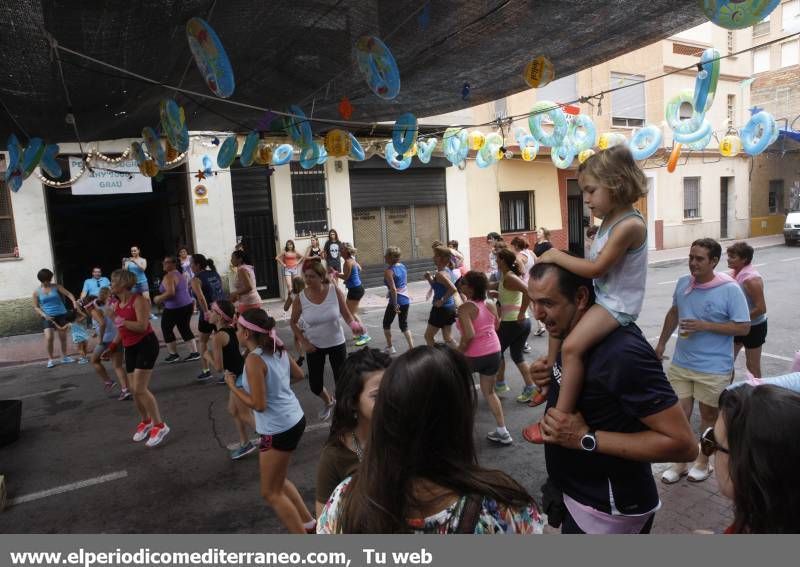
(157,435)
(51,363)
(497,437)
(326,412)
(142,431)
(696,474)
(674,473)
(389,350)
(67,360)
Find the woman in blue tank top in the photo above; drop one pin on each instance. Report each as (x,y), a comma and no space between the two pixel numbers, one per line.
(395,276)
(351,274)
(443,311)
(48,303)
(279,419)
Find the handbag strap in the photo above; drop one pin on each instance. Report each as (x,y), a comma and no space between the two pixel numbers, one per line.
(470,514)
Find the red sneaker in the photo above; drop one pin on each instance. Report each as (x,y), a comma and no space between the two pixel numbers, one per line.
(537,400)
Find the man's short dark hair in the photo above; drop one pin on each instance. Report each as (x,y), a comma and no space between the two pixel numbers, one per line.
(713,247)
(493,236)
(742,250)
(568,283)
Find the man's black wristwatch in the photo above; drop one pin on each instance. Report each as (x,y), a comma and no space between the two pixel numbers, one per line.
(589,441)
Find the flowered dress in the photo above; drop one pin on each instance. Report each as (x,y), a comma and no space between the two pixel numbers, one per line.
(494,518)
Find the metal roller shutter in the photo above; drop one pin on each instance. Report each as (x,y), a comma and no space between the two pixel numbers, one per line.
(374,184)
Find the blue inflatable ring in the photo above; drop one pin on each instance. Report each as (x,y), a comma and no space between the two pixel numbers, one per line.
(425,149)
(356,150)
(705,86)
(404,133)
(378,66)
(391,158)
(249,149)
(757,133)
(48,163)
(282,154)
(227,152)
(702,143)
(210,57)
(551,110)
(309,156)
(323,154)
(673,116)
(691,137)
(154,147)
(582,140)
(298,127)
(645,142)
(562,156)
(455,144)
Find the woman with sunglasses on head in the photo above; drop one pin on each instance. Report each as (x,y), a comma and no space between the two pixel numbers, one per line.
(178,307)
(422,475)
(138,266)
(279,419)
(313,250)
(757,457)
(225,356)
(132,320)
(320,305)
(352,419)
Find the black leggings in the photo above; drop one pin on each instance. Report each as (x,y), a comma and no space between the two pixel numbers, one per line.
(316,365)
(513,335)
(182,317)
(388,317)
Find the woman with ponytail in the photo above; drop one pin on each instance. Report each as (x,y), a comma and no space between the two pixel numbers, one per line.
(279,419)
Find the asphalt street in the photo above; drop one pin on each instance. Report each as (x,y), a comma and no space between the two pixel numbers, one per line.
(76,470)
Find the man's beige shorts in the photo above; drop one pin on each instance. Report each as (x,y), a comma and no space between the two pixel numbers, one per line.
(703,387)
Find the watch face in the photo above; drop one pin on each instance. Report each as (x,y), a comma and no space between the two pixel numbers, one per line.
(588,442)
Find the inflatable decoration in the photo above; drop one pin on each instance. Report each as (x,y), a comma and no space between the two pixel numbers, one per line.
(298,127)
(208,165)
(32,156)
(529,147)
(48,162)
(173,124)
(356,150)
(227,152)
(702,142)
(337,143)
(546,109)
(539,72)
(455,145)
(610,139)
(309,156)
(582,139)
(562,155)
(154,147)
(323,155)
(172,153)
(425,149)
(756,134)
(705,85)
(584,155)
(673,157)
(249,149)
(730,145)
(378,66)
(14,170)
(645,142)
(263,153)
(210,57)
(673,116)
(282,154)
(149,168)
(737,14)
(519,134)
(476,140)
(345,108)
(404,133)
(392,158)
(491,150)
(137,153)
(704,130)
(411,152)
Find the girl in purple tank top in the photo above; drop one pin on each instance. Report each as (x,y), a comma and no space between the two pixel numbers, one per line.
(178,308)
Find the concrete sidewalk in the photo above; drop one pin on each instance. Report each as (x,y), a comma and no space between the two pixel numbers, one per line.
(23,349)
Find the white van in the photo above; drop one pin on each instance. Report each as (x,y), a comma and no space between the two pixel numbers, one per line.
(791,228)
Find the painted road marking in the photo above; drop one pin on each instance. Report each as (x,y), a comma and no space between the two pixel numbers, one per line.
(46,392)
(665,283)
(790,259)
(759,265)
(779,357)
(68,487)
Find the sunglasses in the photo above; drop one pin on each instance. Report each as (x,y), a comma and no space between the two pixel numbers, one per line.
(708,444)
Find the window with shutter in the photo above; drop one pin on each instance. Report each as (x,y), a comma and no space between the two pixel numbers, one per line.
(627,104)
(8,235)
(517,211)
(691,197)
